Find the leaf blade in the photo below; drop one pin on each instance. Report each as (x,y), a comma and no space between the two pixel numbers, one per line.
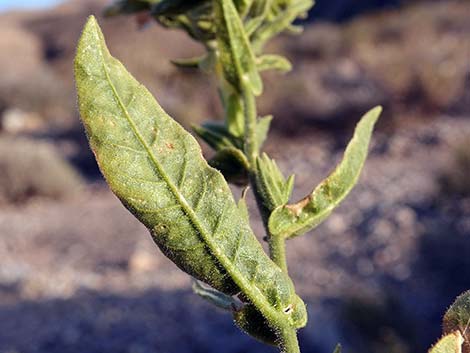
(236,55)
(157,171)
(296,219)
(451,343)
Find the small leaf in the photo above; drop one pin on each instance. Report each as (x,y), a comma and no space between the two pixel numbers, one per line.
(216,136)
(262,129)
(273,62)
(215,297)
(281,20)
(234,117)
(451,343)
(232,163)
(270,183)
(191,63)
(242,6)
(157,170)
(237,59)
(242,206)
(257,15)
(299,218)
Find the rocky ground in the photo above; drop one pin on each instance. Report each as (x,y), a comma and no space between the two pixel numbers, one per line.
(83,275)
(79,274)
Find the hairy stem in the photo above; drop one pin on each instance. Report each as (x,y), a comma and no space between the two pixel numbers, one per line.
(277,251)
(250,143)
(289,342)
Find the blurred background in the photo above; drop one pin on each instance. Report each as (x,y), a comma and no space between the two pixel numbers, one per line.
(79,274)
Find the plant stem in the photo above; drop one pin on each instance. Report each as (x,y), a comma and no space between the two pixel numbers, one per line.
(277,250)
(251,141)
(277,246)
(289,342)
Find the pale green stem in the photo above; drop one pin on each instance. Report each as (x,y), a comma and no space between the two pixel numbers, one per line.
(251,141)
(289,342)
(277,250)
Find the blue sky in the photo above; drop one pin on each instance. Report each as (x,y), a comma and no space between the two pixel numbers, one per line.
(15,4)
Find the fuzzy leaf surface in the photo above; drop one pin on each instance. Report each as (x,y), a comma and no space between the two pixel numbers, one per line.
(157,171)
(237,59)
(296,219)
(271,184)
(457,317)
(451,343)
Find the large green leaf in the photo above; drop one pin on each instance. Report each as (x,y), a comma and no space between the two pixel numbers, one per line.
(236,57)
(157,170)
(299,218)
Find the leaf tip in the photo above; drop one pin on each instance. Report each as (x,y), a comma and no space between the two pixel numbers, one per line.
(91,25)
(376,111)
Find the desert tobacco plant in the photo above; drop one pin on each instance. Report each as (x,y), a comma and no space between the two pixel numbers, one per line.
(157,170)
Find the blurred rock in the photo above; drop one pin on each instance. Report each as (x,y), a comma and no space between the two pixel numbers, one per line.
(29,168)
(16,121)
(143,258)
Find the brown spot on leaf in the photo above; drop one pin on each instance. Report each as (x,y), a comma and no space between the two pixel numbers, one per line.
(170,145)
(298,207)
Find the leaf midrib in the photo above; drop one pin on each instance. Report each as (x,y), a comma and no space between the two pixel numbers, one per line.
(255,295)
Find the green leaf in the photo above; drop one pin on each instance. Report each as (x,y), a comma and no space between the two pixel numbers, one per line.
(451,343)
(338,349)
(270,183)
(457,317)
(273,62)
(157,171)
(299,218)
(262,129)
(234,117)
(191,63)
(243,207)
(258,13)
(232,163)
(242,6)
(237,59)
(194,17)
(280,20)
(216,136)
